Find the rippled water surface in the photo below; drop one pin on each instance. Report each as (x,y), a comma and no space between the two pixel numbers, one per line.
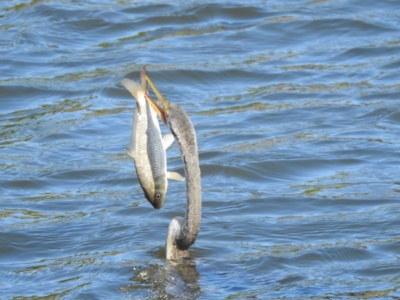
(296,105)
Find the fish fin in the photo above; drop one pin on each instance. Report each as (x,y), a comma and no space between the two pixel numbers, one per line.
(175,176)
(130,153)
(143,82)
(132,86)
(168,139)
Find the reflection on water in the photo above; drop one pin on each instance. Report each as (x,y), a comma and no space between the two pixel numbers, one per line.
(170,281)
(296,109)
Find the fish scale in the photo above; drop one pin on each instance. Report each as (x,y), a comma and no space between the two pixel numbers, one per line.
(146,147)
(157,158)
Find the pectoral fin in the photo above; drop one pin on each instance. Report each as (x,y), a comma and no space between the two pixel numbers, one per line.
(175,176)
(130,153)
(168,139)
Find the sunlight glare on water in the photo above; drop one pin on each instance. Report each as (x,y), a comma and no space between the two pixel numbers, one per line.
(296,106)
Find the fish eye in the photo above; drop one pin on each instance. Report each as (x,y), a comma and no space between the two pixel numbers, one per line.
(158,196)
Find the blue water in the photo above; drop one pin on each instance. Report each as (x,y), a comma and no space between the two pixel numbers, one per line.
(296,106)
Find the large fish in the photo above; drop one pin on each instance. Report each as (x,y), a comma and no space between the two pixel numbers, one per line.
(147,147)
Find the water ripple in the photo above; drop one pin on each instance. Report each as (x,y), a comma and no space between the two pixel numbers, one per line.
(296,109)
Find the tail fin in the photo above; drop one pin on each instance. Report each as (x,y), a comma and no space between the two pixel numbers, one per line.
(135,87)
(132,86)
(143,78)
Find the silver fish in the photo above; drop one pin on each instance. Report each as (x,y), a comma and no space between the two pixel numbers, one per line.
(147,147)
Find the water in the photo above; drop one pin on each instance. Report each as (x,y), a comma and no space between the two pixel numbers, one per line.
(296,108)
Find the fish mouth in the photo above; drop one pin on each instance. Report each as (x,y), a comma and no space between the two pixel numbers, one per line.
(161,111)
(157,204)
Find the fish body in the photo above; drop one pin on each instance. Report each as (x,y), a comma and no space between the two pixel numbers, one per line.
(147,147)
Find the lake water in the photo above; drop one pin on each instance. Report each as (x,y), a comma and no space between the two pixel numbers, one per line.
(296,105)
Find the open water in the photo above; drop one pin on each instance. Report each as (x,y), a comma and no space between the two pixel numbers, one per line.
(296,105)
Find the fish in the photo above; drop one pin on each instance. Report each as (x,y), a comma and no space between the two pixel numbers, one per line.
(147,147)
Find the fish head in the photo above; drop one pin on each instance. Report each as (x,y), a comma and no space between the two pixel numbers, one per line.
(157,195)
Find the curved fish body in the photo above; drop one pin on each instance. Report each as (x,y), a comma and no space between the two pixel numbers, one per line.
(147,147)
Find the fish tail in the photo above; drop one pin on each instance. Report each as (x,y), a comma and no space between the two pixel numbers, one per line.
(132,86)
(143,80)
